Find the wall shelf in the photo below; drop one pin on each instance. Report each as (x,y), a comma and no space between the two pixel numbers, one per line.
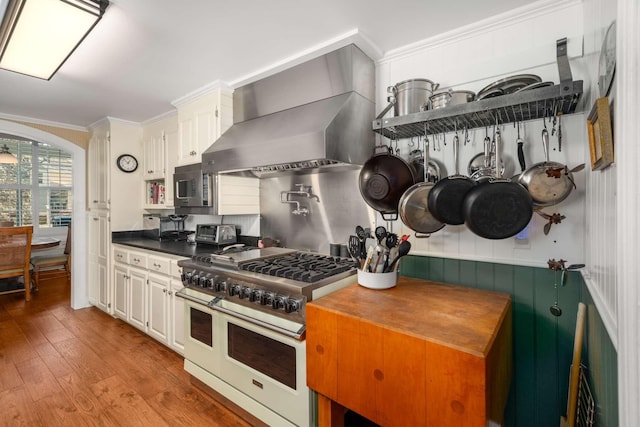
(515,107)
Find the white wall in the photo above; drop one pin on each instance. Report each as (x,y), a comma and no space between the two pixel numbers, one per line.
(518,42)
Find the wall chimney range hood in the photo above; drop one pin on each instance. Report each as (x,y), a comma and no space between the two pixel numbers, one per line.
(313,115)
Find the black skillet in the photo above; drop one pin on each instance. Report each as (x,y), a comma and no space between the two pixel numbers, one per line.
(446,197)
(497,208)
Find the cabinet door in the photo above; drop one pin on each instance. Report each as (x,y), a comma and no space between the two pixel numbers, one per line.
(98,172)
(158,308)
(120,291)
(98,260)
(186,151)
(154,158)
(176,317)
(137,298)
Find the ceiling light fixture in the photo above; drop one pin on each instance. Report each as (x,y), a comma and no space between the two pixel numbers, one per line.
(37,36)
(6,156)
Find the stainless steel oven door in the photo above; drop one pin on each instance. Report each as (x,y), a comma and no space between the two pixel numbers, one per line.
(268,366)
(202,341)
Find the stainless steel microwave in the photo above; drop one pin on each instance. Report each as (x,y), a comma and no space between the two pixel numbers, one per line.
(194,191)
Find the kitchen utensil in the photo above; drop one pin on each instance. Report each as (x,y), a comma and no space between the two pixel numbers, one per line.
(497,208)
(434,171)
(413,208)
(446,196)
(380,233)
(450,97)
(535,85)
(548,182)
(572,399)
(410,95)
(382,181)
(481,165)
(555,309)
(403,249)
(510,84)
(377,280)
(354,248)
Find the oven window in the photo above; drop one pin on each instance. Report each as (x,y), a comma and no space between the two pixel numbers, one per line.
(186,188)
(273,358)
(201,326)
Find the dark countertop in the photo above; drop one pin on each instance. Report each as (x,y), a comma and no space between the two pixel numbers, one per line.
(137,240)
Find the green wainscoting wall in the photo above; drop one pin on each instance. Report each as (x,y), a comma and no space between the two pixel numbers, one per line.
(543,343)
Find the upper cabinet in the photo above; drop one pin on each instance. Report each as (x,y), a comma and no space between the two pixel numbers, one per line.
(160,145)
(98,170)
(202,117)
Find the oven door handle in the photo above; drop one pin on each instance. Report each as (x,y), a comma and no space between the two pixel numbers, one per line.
(296,335)
(181,294)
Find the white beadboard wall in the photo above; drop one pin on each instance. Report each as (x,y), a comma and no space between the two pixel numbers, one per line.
(600,227)
(522,41)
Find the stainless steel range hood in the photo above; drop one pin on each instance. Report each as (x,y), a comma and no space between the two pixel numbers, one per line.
(313,115)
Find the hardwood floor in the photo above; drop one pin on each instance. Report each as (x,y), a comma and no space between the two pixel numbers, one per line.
(64,367)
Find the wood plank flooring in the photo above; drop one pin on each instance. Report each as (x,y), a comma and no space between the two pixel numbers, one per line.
(64,367)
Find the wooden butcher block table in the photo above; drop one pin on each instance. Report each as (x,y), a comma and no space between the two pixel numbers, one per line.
(419,354)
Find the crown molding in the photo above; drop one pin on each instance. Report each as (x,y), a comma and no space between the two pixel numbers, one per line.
(32,120)
(204,90)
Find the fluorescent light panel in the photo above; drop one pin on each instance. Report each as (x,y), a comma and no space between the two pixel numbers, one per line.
(45,33)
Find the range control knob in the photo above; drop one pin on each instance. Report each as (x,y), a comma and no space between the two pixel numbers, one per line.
(255,295)
(291,305)
(233,290)
(267,297)
(221,286)
(278,302)
(245,292)
(194,279)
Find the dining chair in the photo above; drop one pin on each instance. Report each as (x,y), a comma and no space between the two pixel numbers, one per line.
(48,263)
(6,224)
(15,251)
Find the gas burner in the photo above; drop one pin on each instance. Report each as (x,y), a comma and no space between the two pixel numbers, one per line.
(300,266)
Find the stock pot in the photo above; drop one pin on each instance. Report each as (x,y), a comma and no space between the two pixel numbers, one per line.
(411,95)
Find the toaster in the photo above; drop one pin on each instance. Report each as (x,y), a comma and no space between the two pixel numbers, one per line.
(218,234)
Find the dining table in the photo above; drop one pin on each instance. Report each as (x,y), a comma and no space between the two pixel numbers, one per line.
(38,243)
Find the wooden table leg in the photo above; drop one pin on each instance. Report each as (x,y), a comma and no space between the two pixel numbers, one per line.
(330,413)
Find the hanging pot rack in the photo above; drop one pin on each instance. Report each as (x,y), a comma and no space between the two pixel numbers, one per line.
(532,104)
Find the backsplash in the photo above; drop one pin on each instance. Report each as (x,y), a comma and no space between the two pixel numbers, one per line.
(543,343)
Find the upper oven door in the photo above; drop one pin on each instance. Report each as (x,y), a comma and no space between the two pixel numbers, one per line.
(266,365)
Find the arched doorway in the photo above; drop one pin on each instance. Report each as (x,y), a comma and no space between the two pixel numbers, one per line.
(79,293)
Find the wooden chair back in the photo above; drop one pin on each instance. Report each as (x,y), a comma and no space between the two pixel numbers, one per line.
(6,224)
(67,245)
(15,249)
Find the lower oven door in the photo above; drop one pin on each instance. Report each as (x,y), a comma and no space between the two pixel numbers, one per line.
(267,366)
(202,341)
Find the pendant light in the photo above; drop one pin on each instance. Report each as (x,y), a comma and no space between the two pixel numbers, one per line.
(6,156)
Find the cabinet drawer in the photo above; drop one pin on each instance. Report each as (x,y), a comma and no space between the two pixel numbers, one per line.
(120,255)
(138,259)
(176,270)
(159,265)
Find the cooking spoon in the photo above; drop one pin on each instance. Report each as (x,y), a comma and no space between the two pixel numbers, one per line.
(403,249)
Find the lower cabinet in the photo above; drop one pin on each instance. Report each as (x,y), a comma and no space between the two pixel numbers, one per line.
(145,297)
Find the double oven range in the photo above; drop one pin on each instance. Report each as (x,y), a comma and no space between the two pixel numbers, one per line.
(245,315)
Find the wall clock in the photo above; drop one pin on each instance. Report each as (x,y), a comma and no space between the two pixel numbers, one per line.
(127,163)
(607,64)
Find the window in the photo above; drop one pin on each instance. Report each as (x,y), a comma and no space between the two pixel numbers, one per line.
(38,186)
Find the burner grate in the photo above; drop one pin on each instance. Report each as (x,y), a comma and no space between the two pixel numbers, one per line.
(300,266)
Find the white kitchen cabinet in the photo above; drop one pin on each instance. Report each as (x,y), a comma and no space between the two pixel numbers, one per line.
(202,118)
(120,291)
(147,281)
(98,170)
(160,145)
(138,298)
(158,305)
(154,157)
(98,260)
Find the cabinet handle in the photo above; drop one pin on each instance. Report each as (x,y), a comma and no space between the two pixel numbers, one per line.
(170,293)
(149,171)
(95,219)
(164,290)
(95,201)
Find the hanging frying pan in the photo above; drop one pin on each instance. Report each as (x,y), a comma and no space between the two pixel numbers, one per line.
(413,208)
(548,182)
(445,198)
(497,208)
(383,179)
